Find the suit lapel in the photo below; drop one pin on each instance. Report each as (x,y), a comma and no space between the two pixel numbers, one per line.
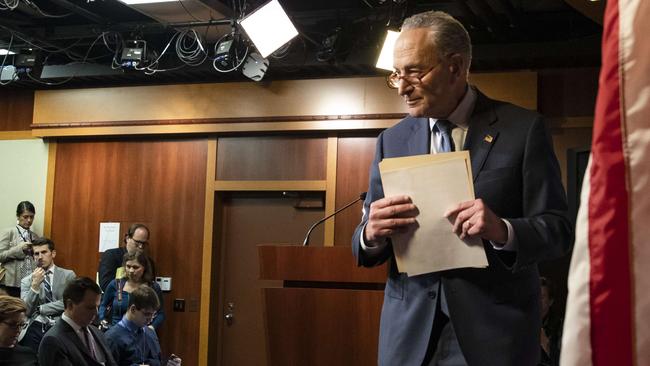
(418,141)
(57,279)
(481,134)
(74,337)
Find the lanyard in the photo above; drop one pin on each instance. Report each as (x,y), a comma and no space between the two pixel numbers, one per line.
(29,235)
(143,347)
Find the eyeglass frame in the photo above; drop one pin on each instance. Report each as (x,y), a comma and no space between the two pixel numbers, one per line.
(140,243)
(413,80)
(20,325)
(143,243)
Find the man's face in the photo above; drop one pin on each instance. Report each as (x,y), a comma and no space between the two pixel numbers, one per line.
(141,317)
(85,311)
(43,256)
(138,240)
(10,329)
(441,78)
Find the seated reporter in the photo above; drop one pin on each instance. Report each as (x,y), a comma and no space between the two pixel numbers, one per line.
(12,320)
(42,292)
(131,341)
(73,340)
(138,271)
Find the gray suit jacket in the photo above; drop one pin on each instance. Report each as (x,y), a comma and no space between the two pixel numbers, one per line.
(36,302)
(11,255)
(495,311)
(61,346)
(36,305)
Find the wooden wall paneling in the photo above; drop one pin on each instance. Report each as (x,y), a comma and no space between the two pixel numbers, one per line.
(158,182)
(16,109)
(355,154)
(568,93)
(207,254)
(330,191)
(49,189)
(271,158)
(130,128)
(270,185)
(16,135)
(340,96)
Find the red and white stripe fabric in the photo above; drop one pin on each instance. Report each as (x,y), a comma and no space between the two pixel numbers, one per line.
(608,309)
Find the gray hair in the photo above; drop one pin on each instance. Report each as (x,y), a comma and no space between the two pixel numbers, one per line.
(449,34)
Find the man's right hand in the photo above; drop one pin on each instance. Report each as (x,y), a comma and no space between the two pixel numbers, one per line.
(37,278)
(388,216)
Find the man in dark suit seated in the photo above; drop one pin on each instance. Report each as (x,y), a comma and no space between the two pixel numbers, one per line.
(137,237)
(42,291)
(465,316)
(73,341)
(131,340)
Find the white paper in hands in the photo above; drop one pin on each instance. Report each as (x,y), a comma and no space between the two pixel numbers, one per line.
(435,183)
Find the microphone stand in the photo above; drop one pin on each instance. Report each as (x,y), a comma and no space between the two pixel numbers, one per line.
(305,242)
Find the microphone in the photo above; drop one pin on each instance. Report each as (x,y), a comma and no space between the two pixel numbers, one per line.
(305,242)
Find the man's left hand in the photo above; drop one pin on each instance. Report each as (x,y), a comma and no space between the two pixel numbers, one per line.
(472,218)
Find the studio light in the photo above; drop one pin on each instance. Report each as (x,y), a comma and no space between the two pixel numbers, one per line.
(385,60)
(329,46)
(269,28)
(255,66)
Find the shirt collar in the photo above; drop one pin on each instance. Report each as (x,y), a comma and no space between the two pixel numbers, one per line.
(129,325)
(71,322)
(460,116)
(22,230)
(51,269)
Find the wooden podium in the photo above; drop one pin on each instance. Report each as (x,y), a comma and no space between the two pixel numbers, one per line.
(327,310)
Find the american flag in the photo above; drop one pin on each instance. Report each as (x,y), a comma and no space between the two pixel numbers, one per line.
(608,308)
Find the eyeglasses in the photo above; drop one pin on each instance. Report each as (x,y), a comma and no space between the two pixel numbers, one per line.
(141,243)
(413,78)
(20,325)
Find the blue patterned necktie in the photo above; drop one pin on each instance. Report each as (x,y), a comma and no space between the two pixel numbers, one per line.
(48,287)
(444,128)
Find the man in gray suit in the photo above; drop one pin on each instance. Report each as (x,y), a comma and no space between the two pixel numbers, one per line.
(73,340)
(466,316)
(42,291)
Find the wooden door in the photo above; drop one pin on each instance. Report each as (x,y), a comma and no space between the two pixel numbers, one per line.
(247,220)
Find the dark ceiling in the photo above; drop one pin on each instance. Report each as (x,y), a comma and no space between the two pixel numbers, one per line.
(77,40)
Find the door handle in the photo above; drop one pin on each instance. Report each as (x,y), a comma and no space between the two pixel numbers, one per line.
(230,313)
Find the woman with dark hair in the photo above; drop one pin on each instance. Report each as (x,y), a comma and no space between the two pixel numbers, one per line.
(115,301)
(12,321)
(16,259)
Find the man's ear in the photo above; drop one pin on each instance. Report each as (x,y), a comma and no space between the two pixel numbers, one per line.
(54,253)
(456,64)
